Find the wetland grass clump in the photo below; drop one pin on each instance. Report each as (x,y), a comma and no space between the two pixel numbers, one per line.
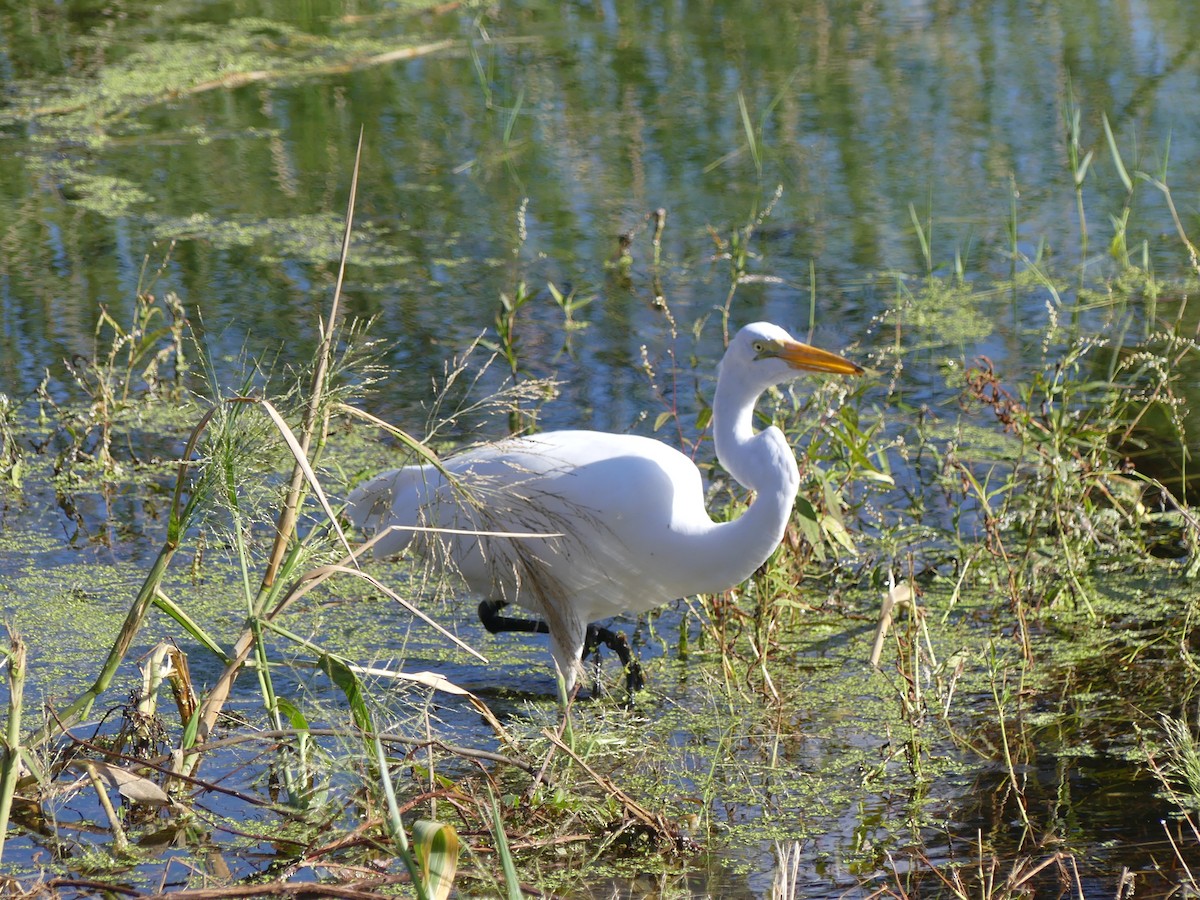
(1033,533)
(227,480)
(132,365)
(251,485)
(778,712)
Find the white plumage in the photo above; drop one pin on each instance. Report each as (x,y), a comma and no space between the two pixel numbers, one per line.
(633,531)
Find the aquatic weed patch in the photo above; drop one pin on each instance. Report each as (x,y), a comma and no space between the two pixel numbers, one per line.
(1029,628)
(160,65)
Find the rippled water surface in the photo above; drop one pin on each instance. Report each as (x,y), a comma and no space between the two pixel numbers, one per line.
(849,157)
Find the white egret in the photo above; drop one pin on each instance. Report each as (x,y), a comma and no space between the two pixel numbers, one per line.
(630,530)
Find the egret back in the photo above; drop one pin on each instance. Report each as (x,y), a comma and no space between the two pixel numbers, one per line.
(614,513)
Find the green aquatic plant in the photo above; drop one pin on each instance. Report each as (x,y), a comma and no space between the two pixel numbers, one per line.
(227,482)
(774,731)
(1181,761)
(511,321)
(1079,161)
(132,363)
(195,58)
(1068,481)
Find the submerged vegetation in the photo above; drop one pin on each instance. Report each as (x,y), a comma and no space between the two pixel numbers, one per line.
(992,605)
(972,662)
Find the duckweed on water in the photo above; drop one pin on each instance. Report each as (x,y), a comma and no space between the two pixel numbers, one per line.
(939,313)
(826,746)
(314,239)
(1002,685)
(195,58)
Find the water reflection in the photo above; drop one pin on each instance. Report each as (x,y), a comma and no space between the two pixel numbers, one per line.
(523,150)
(597,115)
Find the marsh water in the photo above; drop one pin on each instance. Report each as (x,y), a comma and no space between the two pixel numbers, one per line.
(844,155)
(585,118)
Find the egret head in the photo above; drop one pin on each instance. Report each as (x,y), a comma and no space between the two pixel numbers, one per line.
(765,354)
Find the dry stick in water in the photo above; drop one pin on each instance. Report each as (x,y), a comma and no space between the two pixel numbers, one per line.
(656,823)
(120,841)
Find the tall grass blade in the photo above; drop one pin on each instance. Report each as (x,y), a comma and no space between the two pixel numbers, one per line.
(511,123)
(178,520)
(512,881)
(15,659)
(341,675)
(748,128)
(191,626)
(129,630)
(384,589)
(1081,172)
(312,415)
(922,238)
(1161,185)
(394,822)
(297,448)
(414,444)
(315,419)
(1116,155)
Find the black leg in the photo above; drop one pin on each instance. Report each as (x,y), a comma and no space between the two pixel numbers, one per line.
(489,615)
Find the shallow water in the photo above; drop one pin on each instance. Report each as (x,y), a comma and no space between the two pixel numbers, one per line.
(831,764)
(586,118)
(517,146)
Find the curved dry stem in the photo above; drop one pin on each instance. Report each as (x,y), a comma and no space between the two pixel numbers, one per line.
(414,444)
(302,464)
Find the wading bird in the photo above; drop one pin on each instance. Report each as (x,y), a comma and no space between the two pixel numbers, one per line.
(621,520)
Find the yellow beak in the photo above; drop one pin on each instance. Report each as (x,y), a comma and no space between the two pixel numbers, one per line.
(813,359)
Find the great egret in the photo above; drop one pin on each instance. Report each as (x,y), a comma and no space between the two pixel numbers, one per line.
(625,514)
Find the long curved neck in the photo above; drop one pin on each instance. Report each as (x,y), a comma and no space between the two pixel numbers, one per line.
(762,462)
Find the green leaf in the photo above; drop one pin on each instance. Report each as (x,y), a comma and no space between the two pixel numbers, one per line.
(748,128)
(1116,155)
(838,534)
(436,847)
(190,625)
(190,730)
(348,682)
(807,511)
(1081,172)
(511,880)
(394,822)
(833,502)
(809,525)
(289,710)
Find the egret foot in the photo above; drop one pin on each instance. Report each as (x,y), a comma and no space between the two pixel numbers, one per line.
(618,644)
